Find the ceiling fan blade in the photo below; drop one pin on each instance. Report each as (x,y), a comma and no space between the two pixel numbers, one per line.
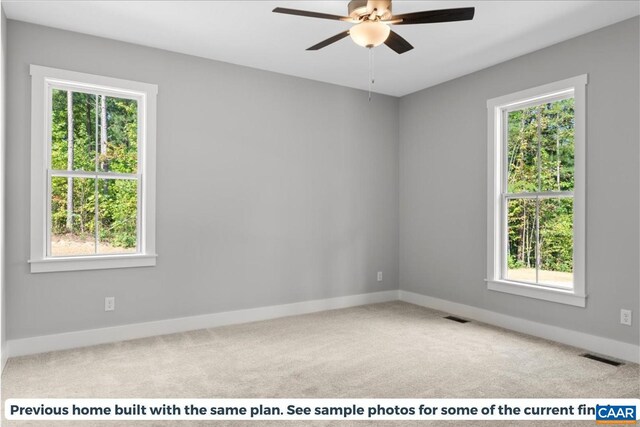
(434,16)
(311,14)
(397,43)
(330,40)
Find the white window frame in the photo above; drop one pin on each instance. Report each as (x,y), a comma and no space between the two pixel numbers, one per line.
(496,179)
(43,79)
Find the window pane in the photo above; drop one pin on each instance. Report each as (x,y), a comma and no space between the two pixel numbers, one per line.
(74,233)
(118,207)
(120,152)
(59,129)
(82,146)
(557,146)
(550,125)
(556,241)
(112,122)
(521,243)
(522,151)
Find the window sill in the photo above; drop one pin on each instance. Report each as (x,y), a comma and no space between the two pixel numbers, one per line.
(98,262)
(560,296)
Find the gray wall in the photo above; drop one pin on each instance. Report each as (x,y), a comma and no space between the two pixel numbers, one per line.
(443,191)
(3,130)
(271,190)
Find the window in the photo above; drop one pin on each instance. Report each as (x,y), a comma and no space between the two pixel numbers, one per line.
(93,172)
(536,192)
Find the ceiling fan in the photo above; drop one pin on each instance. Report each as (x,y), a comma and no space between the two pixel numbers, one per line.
(372,19)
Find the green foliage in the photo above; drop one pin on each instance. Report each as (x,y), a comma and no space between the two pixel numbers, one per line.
(116,198)
(540,150)
(556,234)
(118,210)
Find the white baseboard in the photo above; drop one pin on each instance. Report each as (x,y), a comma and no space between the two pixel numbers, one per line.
(601,345)
(3,362)
(41,344)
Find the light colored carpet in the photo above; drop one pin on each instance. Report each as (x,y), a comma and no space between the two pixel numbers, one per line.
(392,350)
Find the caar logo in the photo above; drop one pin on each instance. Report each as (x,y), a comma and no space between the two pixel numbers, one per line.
(615,414)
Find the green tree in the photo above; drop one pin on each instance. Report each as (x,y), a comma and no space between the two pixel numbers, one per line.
(540,156)
(101,139)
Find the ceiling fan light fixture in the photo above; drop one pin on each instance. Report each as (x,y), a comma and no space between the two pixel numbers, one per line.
(369,33)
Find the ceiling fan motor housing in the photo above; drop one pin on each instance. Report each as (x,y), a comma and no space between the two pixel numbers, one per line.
(360,8)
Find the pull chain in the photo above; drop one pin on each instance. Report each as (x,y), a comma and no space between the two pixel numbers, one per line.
(371,72)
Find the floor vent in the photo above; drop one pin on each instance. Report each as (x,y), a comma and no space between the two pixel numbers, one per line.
(602,359)
(456,319)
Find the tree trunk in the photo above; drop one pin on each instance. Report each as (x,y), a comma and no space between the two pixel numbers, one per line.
(104,164)
(558,155)
(70,161)
(83,215)
(523,240)
(531,251)
(89,146)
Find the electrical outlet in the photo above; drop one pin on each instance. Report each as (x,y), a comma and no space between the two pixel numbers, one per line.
(109,303)
(625,317)
(379,276)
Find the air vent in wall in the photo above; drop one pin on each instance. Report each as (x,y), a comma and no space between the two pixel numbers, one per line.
(456,319)
(601,359)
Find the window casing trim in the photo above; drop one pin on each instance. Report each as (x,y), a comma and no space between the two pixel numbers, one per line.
(496,108)
(42,80)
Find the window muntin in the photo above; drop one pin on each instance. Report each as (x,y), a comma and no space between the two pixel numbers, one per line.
(113,225)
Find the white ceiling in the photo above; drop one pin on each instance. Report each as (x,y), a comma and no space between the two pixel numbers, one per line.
(248,33)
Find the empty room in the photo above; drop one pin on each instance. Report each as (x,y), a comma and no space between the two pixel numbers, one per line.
(320,213)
